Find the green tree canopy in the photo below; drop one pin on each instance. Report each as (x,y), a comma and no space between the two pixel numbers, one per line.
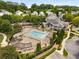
(12,6)
(37,20)
(27,18)
(68,17)
(17,28)
(75,21)
(60,36)
(55,10)
(5,26)
(8,52)
(12,18)
(38,48)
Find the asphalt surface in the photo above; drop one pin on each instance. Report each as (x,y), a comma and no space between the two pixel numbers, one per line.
(72,46)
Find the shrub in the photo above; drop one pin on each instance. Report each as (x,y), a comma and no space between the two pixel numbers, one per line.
(65,53)
(38,48)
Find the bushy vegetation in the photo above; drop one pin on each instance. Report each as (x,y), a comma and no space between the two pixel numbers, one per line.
(42,7)
(58,37)
(12,7)
(75,21)
(32,55)
(9,29)
(28,18)
(5,26)
(68,17)
(52,39)
(8,52)
(38,48)
(47,54)
(65,53)
(12,18)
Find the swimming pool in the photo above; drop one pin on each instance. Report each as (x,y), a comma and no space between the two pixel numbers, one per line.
(38,34)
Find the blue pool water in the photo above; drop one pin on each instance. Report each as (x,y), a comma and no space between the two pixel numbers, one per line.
(37,34)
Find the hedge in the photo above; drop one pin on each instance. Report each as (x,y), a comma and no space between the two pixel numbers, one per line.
(32,55)
(47,54)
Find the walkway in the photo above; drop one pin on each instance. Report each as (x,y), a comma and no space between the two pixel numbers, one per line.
(3,43)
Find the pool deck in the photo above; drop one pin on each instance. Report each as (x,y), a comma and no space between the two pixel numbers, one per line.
(25,39)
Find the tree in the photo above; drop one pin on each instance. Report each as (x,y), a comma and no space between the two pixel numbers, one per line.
(68,9)
(17,28)
(75,21)
(53,39)
(41,7)
(60,36)
(12,18)
(76,14)
(16,18)
(38,48)
(6,17)
(5,26)
(27,18)
(23,56)
(55,10)
(12,6)
(36,20)
(34,7)
(68,17)
(8,52)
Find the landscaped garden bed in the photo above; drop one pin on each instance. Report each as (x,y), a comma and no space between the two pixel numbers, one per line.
(65,53)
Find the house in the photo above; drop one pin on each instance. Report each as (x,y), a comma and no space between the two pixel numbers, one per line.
(41,14)
(6,12)
(74,12)
(54,22)
(1,14)
(49,13)
(35,13)
(60,9)
(18,12)
(28,12)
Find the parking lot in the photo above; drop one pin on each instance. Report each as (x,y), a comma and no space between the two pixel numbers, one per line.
(72,46)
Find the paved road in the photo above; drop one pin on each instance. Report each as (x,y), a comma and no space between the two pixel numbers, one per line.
(4,43)
(72,46)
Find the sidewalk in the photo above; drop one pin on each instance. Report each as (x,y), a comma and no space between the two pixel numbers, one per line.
(4,43)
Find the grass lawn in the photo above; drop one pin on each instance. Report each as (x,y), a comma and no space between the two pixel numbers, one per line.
(1,38)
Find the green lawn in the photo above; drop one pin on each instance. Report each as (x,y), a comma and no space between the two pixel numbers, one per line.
(1,38)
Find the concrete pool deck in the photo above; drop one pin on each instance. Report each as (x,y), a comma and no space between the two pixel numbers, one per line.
(25,39)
